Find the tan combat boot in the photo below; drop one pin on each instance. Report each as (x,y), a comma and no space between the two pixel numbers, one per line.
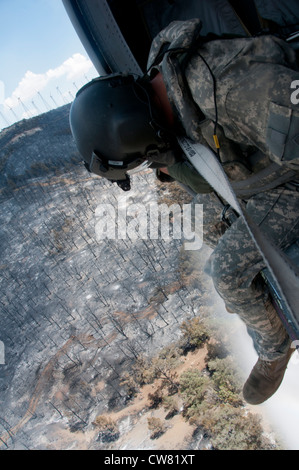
(265,378)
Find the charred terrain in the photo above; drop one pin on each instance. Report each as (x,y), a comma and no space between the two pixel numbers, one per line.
(78,313)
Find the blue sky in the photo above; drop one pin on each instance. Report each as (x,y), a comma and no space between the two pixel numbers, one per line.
(42,60)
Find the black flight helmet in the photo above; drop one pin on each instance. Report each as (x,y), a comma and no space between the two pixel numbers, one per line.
(113,126)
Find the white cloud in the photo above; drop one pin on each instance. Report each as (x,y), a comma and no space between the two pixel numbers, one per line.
(72,68)
(32,83)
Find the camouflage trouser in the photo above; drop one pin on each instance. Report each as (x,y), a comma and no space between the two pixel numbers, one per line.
(236,261)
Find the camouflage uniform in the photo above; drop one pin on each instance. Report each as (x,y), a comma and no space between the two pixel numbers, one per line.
(258,129)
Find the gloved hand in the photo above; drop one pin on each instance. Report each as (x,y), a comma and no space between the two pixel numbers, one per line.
(160,159)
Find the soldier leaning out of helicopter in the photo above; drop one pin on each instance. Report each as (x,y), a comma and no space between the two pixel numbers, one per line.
(239,91)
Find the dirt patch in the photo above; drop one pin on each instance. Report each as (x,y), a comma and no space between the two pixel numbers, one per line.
(133,420)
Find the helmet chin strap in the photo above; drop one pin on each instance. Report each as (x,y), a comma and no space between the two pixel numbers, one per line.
(157,102)
(161,98)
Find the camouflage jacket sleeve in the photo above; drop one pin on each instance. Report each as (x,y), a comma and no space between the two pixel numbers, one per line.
(253,79)
(179,34)
(165,54)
